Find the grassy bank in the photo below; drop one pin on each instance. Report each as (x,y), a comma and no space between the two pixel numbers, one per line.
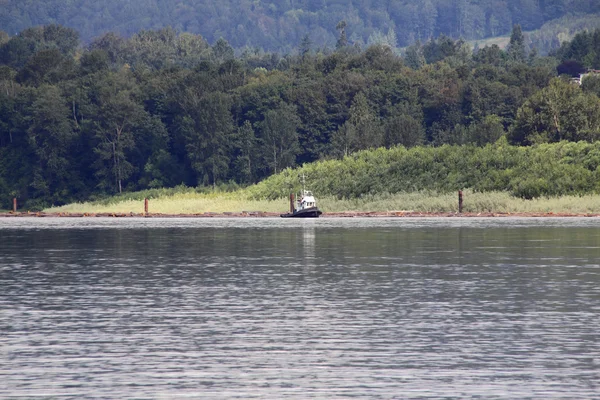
(561,178)
(189,202)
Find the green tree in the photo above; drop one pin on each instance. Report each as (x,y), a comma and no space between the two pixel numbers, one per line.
(368,127)
(16,52)
(155,49)
(405,130)
(361,131)
(489,130)
(414,56)
(305,46)
(114,46)
(310,99)
(65,39)
(153,165)
(344,140)
(246,144)
(441,48)
(4,37)
(191,48)
(489,55)
(209,137)
(279,134)
(516,46)
(93,61)
(222,50)
(51,135)
(342,39)
(591,84)
(561,111)
(46,66)
(116,114)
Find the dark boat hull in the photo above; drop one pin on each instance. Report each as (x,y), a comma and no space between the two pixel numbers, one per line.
(312,212)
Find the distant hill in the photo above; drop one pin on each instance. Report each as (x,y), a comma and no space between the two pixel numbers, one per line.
(550,35)
(281,26)
(556,32)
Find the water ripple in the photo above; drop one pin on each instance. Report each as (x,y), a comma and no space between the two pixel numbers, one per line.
(361,309)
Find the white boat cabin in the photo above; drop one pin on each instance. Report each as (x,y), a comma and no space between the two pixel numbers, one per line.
(306,201)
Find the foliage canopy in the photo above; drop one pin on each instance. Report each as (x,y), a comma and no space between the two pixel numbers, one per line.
(160,109)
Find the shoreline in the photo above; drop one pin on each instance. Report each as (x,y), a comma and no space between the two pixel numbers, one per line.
(260,214)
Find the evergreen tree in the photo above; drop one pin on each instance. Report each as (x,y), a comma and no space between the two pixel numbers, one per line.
(414,56)
(305,46)
(222,50)
(369,133)
(342,39)
(516,46)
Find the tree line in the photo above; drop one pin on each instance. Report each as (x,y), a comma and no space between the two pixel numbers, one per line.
(279,25)
(160,109)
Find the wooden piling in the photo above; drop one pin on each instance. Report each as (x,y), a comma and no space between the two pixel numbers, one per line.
(291,202)
(460,201)
(14,204)
(146,206)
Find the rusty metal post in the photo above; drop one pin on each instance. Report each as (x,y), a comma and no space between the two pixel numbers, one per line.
(146,206)
(14,204)
(291,202)
(460,201)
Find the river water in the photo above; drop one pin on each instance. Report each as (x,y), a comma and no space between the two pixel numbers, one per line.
(376,308)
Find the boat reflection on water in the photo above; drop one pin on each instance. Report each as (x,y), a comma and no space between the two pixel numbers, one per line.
(308,239)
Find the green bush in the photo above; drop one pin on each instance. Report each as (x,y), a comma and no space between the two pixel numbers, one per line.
(555,169)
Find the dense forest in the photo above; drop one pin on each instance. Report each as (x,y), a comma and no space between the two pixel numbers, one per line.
(279,26)
(160,109)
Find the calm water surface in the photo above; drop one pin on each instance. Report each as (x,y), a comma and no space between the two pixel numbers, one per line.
(328,308)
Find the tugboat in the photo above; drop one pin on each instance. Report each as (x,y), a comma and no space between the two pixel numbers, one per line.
(307,206)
